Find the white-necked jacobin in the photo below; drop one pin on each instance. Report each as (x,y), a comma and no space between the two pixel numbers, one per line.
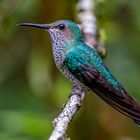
(83,66)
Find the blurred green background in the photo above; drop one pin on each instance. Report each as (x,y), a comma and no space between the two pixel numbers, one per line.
(32,90)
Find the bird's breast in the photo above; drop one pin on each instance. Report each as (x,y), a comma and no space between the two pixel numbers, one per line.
(59,57)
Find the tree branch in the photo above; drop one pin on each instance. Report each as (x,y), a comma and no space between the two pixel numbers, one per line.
(69,110)
(88,24)
(89,28)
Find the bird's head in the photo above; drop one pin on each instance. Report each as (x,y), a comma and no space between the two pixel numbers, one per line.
(64,31)
(64,34)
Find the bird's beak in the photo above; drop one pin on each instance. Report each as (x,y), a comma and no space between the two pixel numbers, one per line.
(41,26)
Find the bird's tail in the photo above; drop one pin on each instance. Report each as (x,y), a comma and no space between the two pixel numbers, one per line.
(124,103)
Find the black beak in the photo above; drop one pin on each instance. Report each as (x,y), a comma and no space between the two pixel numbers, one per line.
(41,26)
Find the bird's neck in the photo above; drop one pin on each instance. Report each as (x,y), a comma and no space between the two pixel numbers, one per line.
(59,53)
(61,48)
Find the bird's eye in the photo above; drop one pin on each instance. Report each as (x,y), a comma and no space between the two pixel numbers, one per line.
(62,26)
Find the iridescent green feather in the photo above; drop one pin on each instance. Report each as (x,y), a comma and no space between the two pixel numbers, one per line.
(89,57)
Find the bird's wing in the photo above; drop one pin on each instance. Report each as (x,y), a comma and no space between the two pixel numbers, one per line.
(84,71)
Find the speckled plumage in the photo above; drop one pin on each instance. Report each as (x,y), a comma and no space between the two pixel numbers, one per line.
(61,47)
(84,67)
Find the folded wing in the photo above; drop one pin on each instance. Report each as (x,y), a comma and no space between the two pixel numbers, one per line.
(93,79)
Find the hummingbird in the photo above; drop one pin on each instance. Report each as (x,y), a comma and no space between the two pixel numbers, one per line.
(84,67)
